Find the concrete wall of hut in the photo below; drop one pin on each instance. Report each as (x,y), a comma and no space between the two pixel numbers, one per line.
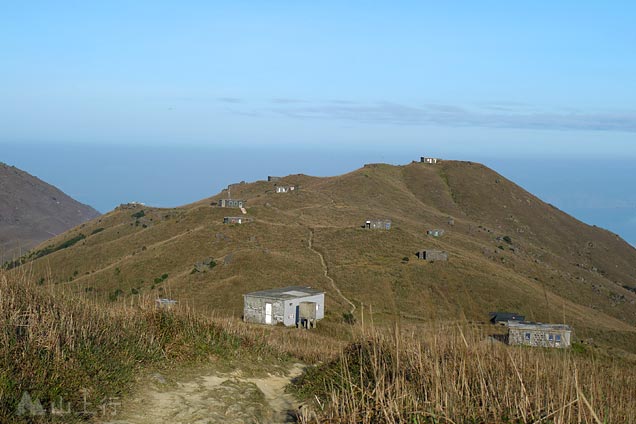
(538,337)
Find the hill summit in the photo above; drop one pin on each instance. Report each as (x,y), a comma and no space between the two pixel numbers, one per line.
(32,211)
(506,250)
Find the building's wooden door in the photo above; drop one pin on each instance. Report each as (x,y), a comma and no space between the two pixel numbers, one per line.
(268,313)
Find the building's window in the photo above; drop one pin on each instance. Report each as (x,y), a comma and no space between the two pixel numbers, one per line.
(527,336)
(550,337)
(558,338)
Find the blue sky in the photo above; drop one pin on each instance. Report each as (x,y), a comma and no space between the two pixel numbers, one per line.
(495,80)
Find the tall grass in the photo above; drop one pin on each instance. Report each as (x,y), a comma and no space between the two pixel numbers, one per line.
(53,345)
(457,375)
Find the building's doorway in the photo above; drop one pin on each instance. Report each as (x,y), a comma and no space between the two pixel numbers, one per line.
(268,313)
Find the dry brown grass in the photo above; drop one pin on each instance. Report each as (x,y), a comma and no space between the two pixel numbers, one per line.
(54,343)
(455,374)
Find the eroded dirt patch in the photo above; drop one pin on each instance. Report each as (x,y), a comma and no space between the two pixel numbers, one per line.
(211,395)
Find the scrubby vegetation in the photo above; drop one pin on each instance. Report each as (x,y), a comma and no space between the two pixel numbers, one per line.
(52,345)
(36,254)
(452,374)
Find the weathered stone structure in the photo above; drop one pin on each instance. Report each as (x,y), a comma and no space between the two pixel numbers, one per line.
(285,189)
(435,232)
(378,224)
(272,178)
(165,303)
(430,161)
(538,334)
(432,255)
(236,220)
(231,203)
(294,305)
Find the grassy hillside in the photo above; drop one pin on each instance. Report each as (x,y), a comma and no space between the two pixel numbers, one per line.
(508,250)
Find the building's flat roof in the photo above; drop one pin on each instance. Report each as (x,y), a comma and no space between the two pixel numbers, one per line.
(290,292)
(525,325)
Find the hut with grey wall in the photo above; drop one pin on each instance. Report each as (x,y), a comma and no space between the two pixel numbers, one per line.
(538,334)
(287,305)
(285,189)
(435,232)
(236,220)
(165,303)
(432,255)
(430,161)
(378,224)
(272,178)
(231,203)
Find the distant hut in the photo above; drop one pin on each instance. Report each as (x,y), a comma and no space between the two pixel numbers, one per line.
(432,255)
(271,178)
(236,220)
(378,224)
(430,161)
(285,189)
(231,203)
(435,232)
(165,303)
(294,305)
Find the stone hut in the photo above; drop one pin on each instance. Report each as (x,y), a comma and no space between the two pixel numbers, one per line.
(272,178)
(435,232)
(431,161)
(231,203)
(285,189)
(378,224)
(538,334)
(165,303)
(432,255)
(294,305)
(236,220)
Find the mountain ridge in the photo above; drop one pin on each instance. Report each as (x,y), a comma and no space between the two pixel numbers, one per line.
(31,211)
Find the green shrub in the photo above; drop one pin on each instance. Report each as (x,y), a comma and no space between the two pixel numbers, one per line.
(139,214)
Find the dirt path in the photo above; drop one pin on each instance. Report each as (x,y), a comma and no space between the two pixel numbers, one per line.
(326,270)
(206,397)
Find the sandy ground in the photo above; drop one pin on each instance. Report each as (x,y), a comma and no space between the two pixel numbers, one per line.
(208,396)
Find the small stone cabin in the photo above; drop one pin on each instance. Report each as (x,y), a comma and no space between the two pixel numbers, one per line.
(432,255)
(231,203)
(538,334)
(236,220)
(435,233)
(285,189)
(294,305)
(502,318)
(165,303)
(378,224)
(272,178)
(431,161)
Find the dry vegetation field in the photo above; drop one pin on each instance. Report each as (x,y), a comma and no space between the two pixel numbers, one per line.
(56,344)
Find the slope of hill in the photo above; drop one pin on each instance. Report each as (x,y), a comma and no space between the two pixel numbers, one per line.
(508,250)
(32,211)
